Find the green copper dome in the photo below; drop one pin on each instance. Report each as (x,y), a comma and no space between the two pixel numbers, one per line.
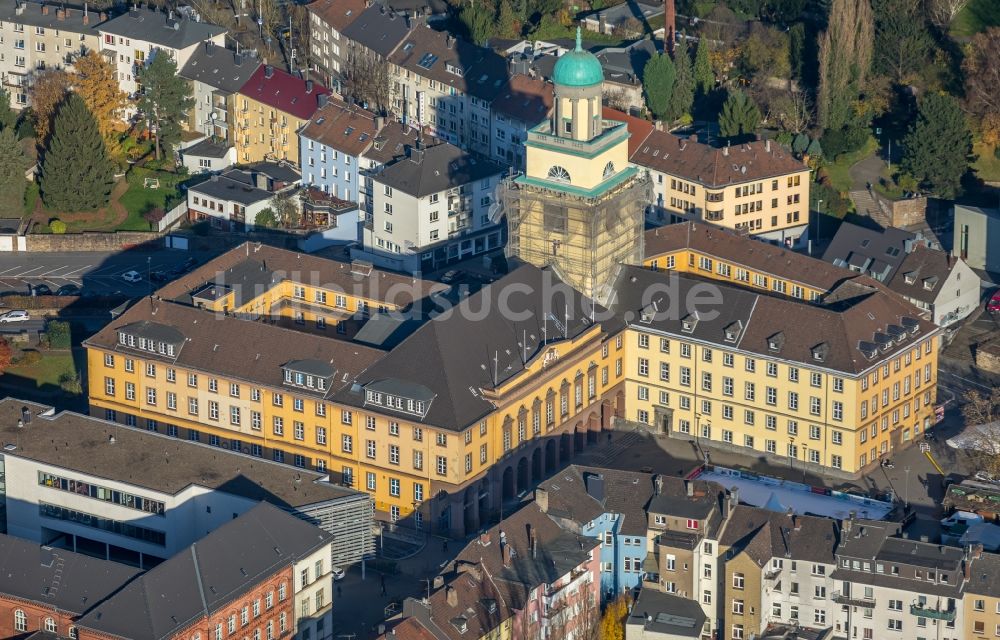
(578,68)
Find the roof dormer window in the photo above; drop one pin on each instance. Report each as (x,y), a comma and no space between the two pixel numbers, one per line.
(820,352)
(733,331)
(689,323)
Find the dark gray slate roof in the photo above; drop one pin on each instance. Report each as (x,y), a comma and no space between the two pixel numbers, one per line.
(922,274)
(32,15)
(234,185)
(985,572)
(157,27)
(153,331)
(56,578)
(378,29)
(442,166)
(220,68)
(206,576)
(874,252)
(207,148)
(659,612)
(764,534)
(279,171)
(452,354)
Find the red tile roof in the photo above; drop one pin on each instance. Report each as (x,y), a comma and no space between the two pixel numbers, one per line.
(637,127)
(284,92)
(337,13)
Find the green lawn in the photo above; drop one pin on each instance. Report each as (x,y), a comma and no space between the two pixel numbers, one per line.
(138,200)
(839,169)
(976,17)
(46,372)
(987,165)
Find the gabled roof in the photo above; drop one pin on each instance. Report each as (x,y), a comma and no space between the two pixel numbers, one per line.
(337,14)
(452,62)
(435,169)
(378,29)
(55,578)
(983,581)
(922,274)
(874,252)
(453,353)
(764,534)
(715,167)
(219,68)
(205,577)
(37,14)
(391,142)
(284,92)
(638,129)
(348,129)
(177,32)
(626,493)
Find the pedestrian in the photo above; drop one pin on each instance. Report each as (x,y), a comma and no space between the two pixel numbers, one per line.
(382,579)
(338,591)
(444,545)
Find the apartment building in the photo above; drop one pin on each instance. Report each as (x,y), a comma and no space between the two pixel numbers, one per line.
(758,188)
(90,497)
(265,573)
(836,401)
(981,601)
(331,145)
(777,570)
(132,39)
(431,208)
(44,589)
(389,145)
(216,75)
(35,36)
(656,615)
(895,587)
(522,104)
(271,108)
(445,85)
(370,39)
(327,48)
(233,199)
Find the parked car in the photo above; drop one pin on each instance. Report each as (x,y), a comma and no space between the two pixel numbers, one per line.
(452,276)
(338,573)
(183,267)
(132,276)
(159,276)
(68,290)
(41,290)
(993,305)
(18,315)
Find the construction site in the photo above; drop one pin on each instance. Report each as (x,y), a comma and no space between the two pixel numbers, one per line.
(583,237)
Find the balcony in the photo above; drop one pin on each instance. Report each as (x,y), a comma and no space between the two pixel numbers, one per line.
(772,572)
(840,598)
(714,216)
(555,594)
(924,611)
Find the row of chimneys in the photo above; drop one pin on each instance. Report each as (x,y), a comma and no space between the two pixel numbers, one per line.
(61,12)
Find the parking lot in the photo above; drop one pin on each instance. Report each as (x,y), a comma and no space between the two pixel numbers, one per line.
(95,273)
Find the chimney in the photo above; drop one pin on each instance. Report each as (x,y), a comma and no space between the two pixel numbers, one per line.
(669,25)
(268,71)
(658,125)
(767,145)
(533,541)
(542,499)
(309,86)
(451,596)
(658,484)
(734,497)
(967,570)
(977,550)
(415,153)
(45,9)
(725,150)
(689,487)
(379,123)
(60,14)
(438,582)
(470,568)
(595,486)
(209,47)
(506,555)
(450,40)
(238,59)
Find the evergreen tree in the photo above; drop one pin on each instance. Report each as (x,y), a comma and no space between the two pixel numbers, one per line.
(13,163)
(8,119)
(76,173)
(740,117)
(165,101)
(658,78)
(902,40)
(682,98)
(814,150)
(508,25)
(478,18)
(704,78)
(938,146)
(800,143)
(845,53)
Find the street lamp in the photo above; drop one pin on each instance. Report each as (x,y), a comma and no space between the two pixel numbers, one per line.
(791,452)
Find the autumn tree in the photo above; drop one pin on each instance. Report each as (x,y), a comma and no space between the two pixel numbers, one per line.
(76,173)
(479,20)
(48,90)
(845,53)
(613,620)
(165,101)
(937,150)
(982,416)
(13,164)
(6,355)
(765,52)
(269,13)
(508,24)
(982,76)
(95,82)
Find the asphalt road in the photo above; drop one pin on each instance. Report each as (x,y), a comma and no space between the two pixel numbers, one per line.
(35,324)
(95,273)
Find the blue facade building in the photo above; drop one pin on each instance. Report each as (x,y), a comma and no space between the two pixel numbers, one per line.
(330,146)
